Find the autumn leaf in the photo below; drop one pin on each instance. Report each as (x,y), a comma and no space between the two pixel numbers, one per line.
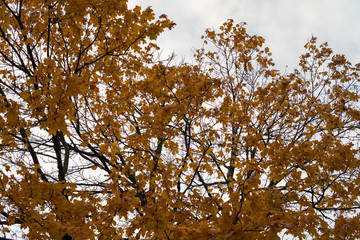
(100,140)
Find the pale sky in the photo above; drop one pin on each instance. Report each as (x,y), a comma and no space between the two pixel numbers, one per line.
(285,24)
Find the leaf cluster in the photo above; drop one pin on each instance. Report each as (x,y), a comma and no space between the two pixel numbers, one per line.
(99,140)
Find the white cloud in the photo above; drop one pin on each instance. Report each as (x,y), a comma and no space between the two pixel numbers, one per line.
(285,24)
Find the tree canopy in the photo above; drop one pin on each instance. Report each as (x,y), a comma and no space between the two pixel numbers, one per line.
(99,139)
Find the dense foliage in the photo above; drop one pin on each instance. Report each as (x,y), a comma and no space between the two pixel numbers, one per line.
(99,140)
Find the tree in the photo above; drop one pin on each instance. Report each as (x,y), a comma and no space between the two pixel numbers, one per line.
(101,141)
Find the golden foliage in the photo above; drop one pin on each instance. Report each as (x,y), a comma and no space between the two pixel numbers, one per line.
(101,141)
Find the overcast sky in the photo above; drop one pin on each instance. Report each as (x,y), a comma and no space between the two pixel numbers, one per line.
(285,24)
